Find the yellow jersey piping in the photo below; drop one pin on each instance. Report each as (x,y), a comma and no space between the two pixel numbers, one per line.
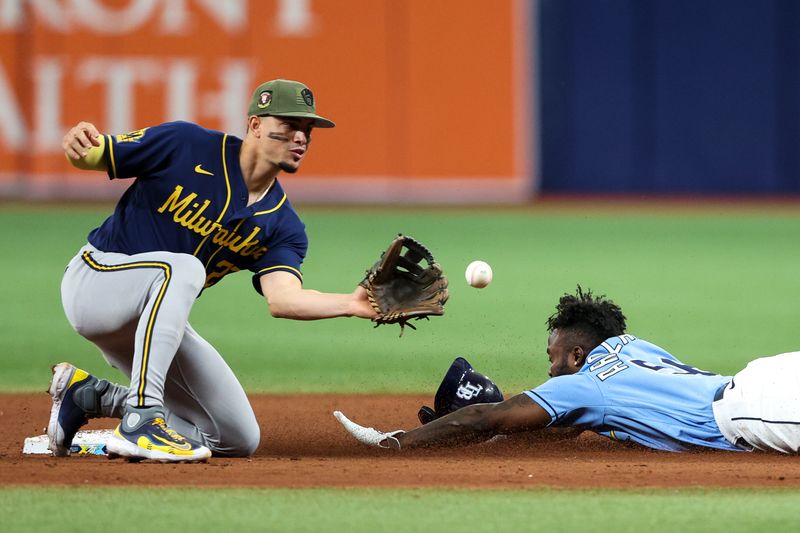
(167,269)
(111,156)
(273,209)
(222,245)
(299,274)
(227,200)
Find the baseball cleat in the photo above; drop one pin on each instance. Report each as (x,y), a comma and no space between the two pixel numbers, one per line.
(137,439)
(66,417)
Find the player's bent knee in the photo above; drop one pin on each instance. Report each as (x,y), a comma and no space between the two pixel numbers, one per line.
(250,446)
(189,271)
(241,443)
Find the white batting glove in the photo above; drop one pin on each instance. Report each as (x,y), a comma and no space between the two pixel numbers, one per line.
(369,436)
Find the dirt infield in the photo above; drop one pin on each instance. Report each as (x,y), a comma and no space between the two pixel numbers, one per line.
(304,446)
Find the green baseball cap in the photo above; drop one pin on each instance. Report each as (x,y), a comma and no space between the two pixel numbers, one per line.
(286,98)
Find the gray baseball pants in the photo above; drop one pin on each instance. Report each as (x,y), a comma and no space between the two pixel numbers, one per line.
(135,309)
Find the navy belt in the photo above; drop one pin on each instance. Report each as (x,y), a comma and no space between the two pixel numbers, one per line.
(720,392)
(740,442)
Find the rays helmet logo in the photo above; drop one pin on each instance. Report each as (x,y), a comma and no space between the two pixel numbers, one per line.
(308,97)
(468,391)
(264,99)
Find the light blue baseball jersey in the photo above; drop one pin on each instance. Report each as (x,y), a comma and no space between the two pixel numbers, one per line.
(632,390)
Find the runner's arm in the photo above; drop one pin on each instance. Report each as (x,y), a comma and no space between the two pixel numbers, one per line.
(478,423)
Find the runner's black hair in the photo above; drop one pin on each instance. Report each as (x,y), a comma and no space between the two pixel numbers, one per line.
(592,318)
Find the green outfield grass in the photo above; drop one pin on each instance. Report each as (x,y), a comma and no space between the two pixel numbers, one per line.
(396,510)
(717,289)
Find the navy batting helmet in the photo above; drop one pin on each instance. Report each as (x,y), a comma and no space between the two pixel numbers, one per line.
(461,386)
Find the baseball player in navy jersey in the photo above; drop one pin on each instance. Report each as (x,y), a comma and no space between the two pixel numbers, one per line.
(202,205)
(626,389)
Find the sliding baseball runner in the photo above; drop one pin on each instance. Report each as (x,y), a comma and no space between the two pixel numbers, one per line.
(621,387)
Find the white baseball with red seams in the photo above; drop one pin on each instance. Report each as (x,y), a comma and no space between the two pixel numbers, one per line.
(478,274)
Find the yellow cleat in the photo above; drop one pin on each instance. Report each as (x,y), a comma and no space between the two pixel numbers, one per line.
(138,438)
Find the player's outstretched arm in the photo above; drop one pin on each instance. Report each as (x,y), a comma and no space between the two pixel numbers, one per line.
(84,146)
(469,425)
(478,423)
(287,298)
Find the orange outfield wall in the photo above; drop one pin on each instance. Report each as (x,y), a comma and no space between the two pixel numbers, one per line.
(422,92)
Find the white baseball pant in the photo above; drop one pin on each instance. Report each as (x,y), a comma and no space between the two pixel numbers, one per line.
(760,407)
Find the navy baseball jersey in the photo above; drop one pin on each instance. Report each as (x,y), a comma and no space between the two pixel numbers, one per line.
(189,197)
(631,390)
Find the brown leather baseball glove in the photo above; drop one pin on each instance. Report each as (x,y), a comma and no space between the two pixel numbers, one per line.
(400,287)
